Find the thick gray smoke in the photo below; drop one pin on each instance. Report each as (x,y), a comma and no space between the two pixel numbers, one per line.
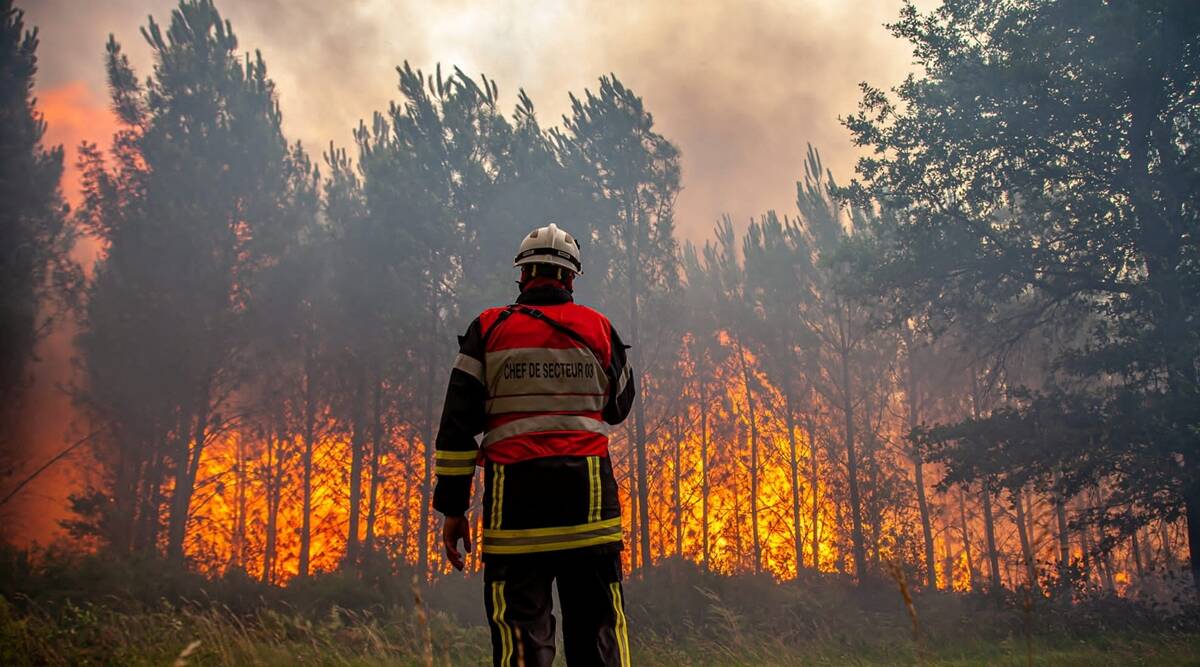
(739,87)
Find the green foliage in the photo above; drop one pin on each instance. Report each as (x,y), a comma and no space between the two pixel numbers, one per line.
(1046,166)
(203,195)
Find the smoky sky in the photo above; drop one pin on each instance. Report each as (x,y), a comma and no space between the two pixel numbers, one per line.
(740,87)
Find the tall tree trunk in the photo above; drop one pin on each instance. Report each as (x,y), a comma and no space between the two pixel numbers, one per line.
(737,500)
(238,555)
(856,535)
(1164,537)
(1064,535)
(1163,251)
(989,525)
(704,473)
(914,418)
(274,489)
(406,511)
(633,259)
(131,473)
(675,484)
(989,533)
(357,446)
(376,454)
(631,475)
(149,519)
(926,524)
(814,485)
(310,419)
(188,466)
(874,511)
(1104,552)
(1135,547)
(1191,500)
(427,436)
(947,557)
(1085,541)
(1026,545)
(753,458)
(966,537)
(1106,571)
(794,472)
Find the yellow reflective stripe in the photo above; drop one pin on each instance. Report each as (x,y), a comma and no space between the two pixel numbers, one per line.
(553,530)
(593,488)
(449,462)
(506,647)
(454,470)
(551,546)
(543,423)
(555,538)
(469,365)
(497,494)
(622,627)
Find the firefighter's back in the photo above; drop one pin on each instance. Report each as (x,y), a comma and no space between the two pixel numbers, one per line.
(534,389)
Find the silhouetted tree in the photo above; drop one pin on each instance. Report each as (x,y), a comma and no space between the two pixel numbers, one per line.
(1046,159)
(35,240)
(633,171)
(191,213)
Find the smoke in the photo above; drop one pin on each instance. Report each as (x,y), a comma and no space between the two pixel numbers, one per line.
(740,87)
(74,112)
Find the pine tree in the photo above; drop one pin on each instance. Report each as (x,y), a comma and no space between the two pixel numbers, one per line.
(1046,161)
(189,216)
(610,141)
(35,240)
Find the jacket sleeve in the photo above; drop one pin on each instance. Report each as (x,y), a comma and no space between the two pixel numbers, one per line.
(462,420)
(620,383)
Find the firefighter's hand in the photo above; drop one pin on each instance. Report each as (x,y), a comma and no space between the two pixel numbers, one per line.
(454,529)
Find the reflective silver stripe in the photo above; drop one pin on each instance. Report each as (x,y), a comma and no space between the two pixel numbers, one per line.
(469,365)
(544,370)
(543,402)
(543,423)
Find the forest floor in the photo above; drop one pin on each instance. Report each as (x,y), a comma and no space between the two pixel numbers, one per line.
(71,610)
(95,635)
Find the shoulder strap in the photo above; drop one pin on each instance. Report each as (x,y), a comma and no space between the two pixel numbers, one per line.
(499,320)
(549,321)
(557,326)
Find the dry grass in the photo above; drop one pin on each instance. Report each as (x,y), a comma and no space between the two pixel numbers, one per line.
(93,612)
(92,635)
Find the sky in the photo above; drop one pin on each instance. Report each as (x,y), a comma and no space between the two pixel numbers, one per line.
(740,87)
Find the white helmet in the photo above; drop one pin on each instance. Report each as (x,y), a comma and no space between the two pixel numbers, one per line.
(550,245)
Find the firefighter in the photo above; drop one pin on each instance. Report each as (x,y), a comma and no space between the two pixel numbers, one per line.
(540,379)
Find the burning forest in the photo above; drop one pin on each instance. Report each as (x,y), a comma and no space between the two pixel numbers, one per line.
(968,370)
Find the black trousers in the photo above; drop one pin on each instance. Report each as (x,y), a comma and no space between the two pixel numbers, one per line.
(519,608)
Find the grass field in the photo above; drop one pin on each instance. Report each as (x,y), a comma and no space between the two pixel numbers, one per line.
(93,611)
(97,635)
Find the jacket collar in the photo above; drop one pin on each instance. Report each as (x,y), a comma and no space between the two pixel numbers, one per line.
(546,295)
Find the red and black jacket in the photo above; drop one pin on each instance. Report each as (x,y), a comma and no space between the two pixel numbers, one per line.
(541,380)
